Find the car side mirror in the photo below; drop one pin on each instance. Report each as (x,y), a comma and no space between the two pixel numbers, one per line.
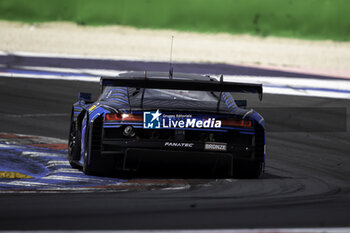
(84,96)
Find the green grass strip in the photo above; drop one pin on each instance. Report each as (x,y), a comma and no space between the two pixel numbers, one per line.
(310,19)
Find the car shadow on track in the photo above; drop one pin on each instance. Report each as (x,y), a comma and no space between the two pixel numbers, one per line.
(183,174)
(272,176)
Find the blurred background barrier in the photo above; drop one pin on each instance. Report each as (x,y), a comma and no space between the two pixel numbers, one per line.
(307,19)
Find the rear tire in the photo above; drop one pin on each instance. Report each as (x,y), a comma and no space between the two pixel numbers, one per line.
(94,162)
(74,145)
(97,167)
(87,167)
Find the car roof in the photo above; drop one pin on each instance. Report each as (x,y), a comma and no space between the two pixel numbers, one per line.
(165,75)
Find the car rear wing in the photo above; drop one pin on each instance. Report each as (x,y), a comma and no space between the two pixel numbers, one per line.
(183,84)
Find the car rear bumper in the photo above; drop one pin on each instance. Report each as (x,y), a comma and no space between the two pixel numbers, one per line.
(148,155)
(121,146)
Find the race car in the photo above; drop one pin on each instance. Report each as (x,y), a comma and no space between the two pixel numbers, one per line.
(160,121)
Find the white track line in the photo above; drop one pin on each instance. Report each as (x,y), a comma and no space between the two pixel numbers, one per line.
(334,88)
(51,77)
(52,163)
(177,188)
(68,170)
(335,84)
(82,72)
(39,154)
(5,146)
(26,183)
(306,93)
(70,178)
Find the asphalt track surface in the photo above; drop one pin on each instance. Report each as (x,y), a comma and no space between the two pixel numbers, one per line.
(306,184)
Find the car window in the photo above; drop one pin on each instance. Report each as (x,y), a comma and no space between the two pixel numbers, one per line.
(179,95)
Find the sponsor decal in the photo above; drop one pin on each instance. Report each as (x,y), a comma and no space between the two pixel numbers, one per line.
(179,144)
(215,146)
(156,120)
(151,120)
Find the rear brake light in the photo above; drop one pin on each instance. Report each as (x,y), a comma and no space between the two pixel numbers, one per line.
(122,117)
(112,117)
(233,122)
